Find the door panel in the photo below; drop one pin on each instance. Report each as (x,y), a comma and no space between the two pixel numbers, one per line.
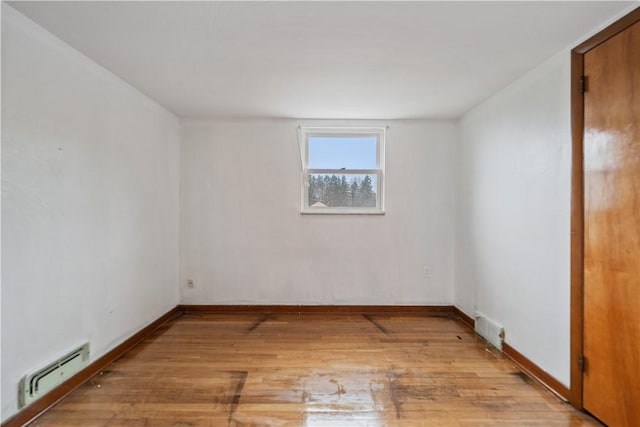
(611,381)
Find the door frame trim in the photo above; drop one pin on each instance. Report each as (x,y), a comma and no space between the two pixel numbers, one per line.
(577,197)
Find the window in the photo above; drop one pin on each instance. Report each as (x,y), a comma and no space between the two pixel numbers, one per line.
(343,170)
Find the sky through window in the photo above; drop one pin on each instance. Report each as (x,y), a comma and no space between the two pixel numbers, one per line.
(350,152)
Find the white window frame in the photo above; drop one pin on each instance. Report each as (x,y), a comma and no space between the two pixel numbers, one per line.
(379,132)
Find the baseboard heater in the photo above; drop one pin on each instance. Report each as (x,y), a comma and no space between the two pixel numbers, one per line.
(39,383)
(489,330)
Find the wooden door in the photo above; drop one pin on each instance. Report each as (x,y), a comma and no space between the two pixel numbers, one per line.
(611,379)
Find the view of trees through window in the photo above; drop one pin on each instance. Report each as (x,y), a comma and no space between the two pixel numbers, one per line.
(329,190)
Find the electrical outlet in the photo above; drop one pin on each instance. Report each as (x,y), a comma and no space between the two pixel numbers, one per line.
(427,272)
(191,283)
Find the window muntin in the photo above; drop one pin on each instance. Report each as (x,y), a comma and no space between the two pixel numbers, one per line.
(343,170)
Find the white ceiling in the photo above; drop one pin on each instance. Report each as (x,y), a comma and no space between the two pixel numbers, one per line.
(320,59)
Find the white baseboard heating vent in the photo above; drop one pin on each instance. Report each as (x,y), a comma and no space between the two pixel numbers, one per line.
(489,330)
(39,383)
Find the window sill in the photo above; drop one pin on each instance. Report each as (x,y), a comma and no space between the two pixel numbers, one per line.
(325,211)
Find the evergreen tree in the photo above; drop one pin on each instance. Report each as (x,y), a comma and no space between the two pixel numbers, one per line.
(367,195)
(338,191)
(333,192)
(343,192)
(354,193)
(320,189)
(313,190)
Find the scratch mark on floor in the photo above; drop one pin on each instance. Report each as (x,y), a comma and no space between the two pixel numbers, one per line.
(258,322)
(403,341)
(340,390)
(524,377)
(392,377)
(376,324)
(240,377)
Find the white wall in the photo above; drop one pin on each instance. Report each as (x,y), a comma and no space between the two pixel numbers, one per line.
(513,213)
(90,198)
(244,241)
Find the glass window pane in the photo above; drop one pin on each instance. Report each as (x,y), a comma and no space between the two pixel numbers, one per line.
(337,152)
(342,190)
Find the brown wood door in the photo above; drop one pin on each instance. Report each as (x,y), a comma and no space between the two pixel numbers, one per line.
(611,379)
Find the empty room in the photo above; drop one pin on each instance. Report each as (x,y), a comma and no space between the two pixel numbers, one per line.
(320,213)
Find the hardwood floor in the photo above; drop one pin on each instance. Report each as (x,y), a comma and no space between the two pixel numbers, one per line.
(312,370)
